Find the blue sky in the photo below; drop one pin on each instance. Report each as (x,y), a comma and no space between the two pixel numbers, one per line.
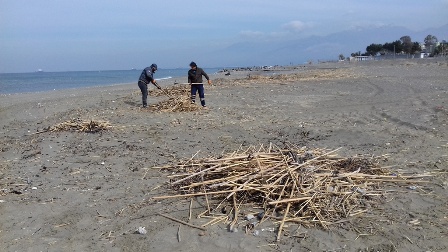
(60,35)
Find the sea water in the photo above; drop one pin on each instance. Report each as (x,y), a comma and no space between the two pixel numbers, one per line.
(11,83)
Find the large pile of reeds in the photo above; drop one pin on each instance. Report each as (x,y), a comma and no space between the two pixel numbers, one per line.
(173,91)
(178,99)
(310,187)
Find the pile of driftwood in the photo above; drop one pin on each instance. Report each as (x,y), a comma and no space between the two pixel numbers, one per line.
(89,126)
(309,187)
(178,100)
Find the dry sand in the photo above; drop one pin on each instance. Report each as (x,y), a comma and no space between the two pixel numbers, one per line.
(74,191)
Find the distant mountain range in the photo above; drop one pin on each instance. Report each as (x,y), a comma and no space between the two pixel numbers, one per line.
(299,51)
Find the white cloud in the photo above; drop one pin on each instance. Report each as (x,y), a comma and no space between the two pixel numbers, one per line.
(286,30)
(295,26)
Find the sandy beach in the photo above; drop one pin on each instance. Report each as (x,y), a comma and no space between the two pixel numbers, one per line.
(77,191)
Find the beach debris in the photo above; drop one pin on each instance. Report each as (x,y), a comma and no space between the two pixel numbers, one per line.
(414,222)
(176,104)
(182,222)
(90,126)
(141,230)
(16,192)
(178,100)
(308,75)
(268,229)
(288,190)
(234,230)
(179,95)
(173,91)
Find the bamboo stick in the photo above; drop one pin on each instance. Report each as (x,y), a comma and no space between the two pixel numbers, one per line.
(191,206)
(284,217)
(206,200)
(197,194)
(283,221)
(192,175)
(182,222)
(289,200)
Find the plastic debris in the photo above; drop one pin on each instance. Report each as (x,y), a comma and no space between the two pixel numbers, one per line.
(268,229)
(141,230)
(361,191)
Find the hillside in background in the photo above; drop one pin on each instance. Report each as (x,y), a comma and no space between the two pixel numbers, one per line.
(299,51)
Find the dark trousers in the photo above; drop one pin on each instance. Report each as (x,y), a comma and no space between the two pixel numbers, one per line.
(144,88)
(198,88)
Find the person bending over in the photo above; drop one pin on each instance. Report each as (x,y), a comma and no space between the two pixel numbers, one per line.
(146,77)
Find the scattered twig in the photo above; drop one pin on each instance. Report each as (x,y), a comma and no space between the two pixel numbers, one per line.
(182,222)
(191,205)
(90,126)
(407,238)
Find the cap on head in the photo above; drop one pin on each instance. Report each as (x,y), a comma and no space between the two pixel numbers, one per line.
(154,67)
(192,64)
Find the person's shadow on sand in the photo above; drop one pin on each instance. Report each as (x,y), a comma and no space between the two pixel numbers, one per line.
(132,103)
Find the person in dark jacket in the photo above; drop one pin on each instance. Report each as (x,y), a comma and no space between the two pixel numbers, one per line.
(195,79)
(147,77)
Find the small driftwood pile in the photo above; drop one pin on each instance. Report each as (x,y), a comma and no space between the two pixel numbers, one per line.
(81,125)
(178,100)
(309,187)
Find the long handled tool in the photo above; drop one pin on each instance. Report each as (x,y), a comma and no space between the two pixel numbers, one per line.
(166,93)
(187,83)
